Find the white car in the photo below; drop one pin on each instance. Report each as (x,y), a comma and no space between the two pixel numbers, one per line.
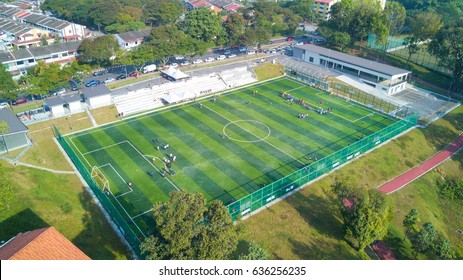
(299,43)
(221,57)
(227,52)
(232,55)
(185,63)
(108,80)
(197,61)
(251,52)
(209,59)
(173,64)
(4,105)
(178,57)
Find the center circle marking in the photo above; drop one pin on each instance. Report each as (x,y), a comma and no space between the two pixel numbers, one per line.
(250,132)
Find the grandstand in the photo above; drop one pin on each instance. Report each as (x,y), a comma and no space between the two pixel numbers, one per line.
(146,99)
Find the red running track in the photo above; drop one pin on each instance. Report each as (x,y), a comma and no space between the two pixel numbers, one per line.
(418,171)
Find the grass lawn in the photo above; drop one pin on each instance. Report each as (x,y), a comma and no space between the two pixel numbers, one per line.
(307,217)
(225,149)
(45,199)
(268,71)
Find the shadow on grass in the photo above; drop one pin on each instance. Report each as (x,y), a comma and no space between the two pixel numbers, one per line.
(439,136)
(318,212)
(323,250)
(23,221)
(97,233)
(400,246)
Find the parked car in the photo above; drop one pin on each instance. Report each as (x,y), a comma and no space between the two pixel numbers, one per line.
(133,74)
(232,55)
(251,52)
(92,83)
(4,105)
(99,72)
(121,77)
(179,57)
(108,80)
(74,85)
(290,39)
(20,101)
(58,91)
(226,52)
(221,57)
(197,61)
(173,64)
(209,59)
(243,49)
(185,63)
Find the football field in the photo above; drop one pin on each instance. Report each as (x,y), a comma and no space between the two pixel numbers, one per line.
(225,147)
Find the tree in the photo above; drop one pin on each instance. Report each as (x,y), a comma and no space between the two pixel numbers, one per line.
(396,15)
(303,8)
(410,221)
(443,250)
(340,39)
(366,213)
(161,12)
(425,238)
(98,51)
(423,26)
(7,85)
(6,188)
(235,27)
(447,47)
(46,77)
(188,228)
(255,252)
(203,25)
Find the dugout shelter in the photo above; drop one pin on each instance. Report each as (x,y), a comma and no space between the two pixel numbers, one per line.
(16,135)
(97,96)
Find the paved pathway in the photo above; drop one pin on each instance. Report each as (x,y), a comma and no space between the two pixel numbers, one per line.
(418,171)
(44,168)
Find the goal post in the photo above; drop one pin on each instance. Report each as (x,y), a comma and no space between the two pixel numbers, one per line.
(100,179)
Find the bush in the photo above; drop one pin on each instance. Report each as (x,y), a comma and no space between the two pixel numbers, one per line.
(450,188)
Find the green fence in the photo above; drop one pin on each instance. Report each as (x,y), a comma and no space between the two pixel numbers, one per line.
(116,217)
(279,188)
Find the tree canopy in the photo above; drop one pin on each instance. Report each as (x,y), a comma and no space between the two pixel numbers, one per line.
(447,47)
(366,212)
(189,228)
(98,51)
(7,85)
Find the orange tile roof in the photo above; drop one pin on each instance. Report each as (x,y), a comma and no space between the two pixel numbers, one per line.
(41,244)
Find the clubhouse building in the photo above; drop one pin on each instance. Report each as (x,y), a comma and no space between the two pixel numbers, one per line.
(385,78)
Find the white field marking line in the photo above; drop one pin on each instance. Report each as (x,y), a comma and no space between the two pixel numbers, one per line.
(339,116)
(105,147)
(151,164)
(141,214)
(89,165)
(295,89)
(255,135)
(115,198)
(151,114)
(369,115)
(125,182)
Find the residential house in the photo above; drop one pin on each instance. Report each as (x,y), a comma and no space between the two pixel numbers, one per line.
(40,244)
(16,62)
(20,35)
(131,39)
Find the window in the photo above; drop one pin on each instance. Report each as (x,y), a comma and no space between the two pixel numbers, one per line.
(311,59)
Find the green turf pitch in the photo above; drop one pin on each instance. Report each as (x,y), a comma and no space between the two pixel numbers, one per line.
(225,147)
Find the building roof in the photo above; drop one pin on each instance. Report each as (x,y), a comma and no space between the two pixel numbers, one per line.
(221,3)
(200,3)
(174,73)
(38,52)
(72,98)
(356,61)
(41,244)
(9,11)
(55,101)
(14,124)
(132,36)
(13,27)
(45,21)
(96,91)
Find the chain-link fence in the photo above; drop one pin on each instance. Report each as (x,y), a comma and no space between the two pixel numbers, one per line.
(102,196)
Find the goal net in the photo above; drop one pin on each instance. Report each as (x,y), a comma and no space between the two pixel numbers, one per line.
(100,178)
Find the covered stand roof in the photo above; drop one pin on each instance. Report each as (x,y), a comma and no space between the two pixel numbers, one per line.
(96,91)
(54,101)
(72,98)
(14,124)
(174,73)
(178,96)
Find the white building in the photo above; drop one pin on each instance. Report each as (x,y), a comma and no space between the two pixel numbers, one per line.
(56,105)
(73,103)
(385,78)
(97,96)
(132,39)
